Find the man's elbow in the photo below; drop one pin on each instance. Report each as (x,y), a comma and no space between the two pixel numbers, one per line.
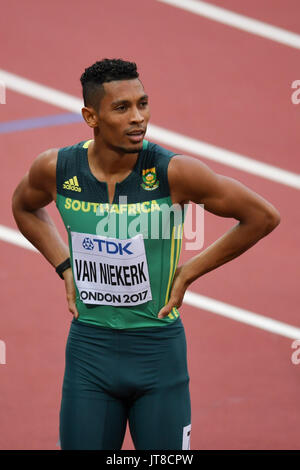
(17,203)
(263,221)
(271,220)
(14,202)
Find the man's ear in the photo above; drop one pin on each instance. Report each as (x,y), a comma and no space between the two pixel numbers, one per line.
(90,116)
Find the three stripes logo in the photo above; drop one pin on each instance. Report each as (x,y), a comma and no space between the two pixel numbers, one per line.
(72,184)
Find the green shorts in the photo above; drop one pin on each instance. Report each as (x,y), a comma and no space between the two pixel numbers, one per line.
(114,376)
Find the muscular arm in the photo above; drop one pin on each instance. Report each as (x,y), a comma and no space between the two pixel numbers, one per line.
(34,192)
(192,180)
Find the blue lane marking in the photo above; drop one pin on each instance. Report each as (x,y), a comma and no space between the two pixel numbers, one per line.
(34,123)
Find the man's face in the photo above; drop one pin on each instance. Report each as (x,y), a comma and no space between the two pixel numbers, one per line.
(123,115)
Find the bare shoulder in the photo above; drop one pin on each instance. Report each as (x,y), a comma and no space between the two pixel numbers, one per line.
(44,165)
(190,179)
(186,164)
(42,174)
(38,186)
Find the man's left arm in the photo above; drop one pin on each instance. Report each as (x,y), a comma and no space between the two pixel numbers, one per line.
(192,180)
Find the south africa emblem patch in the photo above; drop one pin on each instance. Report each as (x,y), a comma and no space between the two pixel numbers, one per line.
(150,180)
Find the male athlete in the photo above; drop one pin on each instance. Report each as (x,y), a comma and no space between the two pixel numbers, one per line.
(126,350)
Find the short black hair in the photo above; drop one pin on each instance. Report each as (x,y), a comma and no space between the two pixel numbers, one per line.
(103,71)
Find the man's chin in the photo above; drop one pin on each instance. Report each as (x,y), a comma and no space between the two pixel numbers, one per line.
(133,148)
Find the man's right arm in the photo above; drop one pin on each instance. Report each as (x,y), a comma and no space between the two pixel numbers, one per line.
(35,191)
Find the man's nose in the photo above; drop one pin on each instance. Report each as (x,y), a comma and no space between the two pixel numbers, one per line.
(136,115)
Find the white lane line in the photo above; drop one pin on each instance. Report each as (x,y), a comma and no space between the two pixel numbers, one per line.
(223,156)
(191,298)
(164,136)
(238,21)
(40,92)
(241,315)
(10,235)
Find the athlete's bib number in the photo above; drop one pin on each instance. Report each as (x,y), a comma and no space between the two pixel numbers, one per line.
(110,271)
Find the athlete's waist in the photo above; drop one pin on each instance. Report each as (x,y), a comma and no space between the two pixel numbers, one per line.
(138,329)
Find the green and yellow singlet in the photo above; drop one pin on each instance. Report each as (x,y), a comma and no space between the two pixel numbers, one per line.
(123,255)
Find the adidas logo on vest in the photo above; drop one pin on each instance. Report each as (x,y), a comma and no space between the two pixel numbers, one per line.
(72,184)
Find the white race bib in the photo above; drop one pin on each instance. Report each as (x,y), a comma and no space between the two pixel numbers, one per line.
(110,271)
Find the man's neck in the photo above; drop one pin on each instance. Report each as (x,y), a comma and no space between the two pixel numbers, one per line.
(108,162)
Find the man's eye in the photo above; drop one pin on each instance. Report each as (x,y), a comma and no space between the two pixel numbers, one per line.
(144,103)
(122,107)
